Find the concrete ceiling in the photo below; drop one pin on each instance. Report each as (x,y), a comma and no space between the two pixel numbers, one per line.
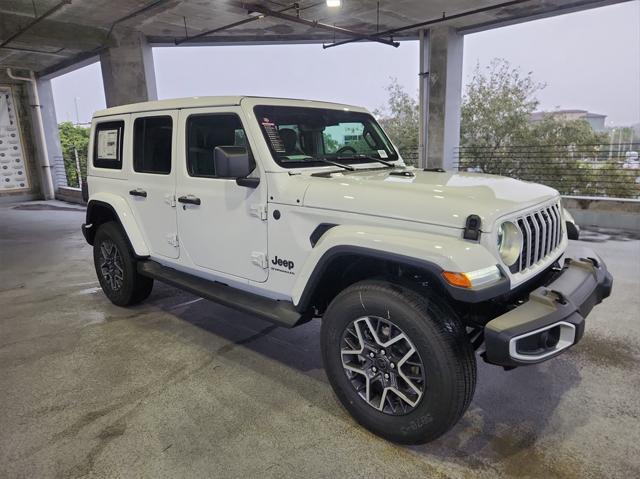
(76,30)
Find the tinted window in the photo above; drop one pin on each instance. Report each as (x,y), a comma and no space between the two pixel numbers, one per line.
(152,145)
(107,145)
(204,133)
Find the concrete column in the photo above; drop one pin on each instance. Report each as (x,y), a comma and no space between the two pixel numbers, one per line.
(441,48)
(52,136)
(423,74)
(127,70)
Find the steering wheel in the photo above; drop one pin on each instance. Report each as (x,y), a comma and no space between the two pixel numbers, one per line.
(344,149)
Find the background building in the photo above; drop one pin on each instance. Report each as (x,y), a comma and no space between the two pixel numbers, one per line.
(596,120)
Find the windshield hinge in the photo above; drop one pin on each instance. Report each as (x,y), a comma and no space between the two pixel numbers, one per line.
(259,211)
(259,259)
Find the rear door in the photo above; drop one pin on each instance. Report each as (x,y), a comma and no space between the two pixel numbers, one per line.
(223,227)
(151,187)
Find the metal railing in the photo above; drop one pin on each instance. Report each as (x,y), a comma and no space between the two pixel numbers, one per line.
(604,170)
(410,156)
(608,170)
(75,168)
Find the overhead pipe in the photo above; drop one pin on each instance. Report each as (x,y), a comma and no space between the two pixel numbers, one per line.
(46,179)
(35,21)
(193,38)
(323,26)
(216,30)
(443,18)
(57,53)
(225,27)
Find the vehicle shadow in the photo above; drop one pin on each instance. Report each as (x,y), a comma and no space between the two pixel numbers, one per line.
(602,235)
(298,348)
(510,412)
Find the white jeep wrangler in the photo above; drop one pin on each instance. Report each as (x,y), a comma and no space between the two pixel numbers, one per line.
(291,210)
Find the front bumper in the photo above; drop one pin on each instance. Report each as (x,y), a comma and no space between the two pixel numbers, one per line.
(553,317)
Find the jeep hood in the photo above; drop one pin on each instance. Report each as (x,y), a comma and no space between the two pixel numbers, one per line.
(441,198)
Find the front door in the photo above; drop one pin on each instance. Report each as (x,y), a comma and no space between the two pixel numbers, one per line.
(151,186)
(222,226)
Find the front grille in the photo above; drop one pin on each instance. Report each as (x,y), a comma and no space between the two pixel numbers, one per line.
(541,234)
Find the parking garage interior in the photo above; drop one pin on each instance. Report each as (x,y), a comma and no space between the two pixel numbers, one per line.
(181,387)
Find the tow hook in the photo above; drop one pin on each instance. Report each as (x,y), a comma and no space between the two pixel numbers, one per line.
(560,298)
(592,260)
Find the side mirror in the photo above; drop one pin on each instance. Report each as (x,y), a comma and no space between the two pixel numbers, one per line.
(233,162)
(248,182)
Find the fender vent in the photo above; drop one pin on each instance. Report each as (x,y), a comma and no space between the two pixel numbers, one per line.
(406,174)
(321,229)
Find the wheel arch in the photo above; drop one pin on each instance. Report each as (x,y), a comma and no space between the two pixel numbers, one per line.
(345,254)
(105,208)
(342,266)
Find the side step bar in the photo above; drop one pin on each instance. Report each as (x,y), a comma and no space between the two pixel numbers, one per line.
(282,313)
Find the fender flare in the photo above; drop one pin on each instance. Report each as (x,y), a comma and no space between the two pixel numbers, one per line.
(124,216)
(459,294)
(386,245)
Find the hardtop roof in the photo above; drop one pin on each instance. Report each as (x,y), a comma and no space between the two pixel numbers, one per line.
(209,101)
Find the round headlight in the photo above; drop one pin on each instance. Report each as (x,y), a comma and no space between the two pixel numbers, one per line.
(509,242)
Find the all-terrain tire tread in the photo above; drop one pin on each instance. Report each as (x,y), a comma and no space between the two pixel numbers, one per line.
(449,330)
(137,287)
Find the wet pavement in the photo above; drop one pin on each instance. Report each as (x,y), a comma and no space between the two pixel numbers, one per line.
(181,387)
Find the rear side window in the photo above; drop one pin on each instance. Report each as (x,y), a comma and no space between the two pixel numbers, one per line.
(107,145)
(204,133)
(152,144)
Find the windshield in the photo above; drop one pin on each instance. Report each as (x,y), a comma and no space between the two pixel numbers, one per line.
(301,136)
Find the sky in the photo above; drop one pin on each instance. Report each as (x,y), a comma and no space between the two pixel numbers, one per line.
(588,60)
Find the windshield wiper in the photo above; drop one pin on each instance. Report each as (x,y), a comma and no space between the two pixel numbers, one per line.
(367,157)
(341,165)
(329,162)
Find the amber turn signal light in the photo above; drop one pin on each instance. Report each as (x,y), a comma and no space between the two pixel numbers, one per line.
(457,279)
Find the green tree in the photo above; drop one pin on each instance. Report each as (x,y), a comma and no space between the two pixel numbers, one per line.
(552,130)
(74,137)
(331,145)
(496,110)
(498,136)
(400,118)
(563,154)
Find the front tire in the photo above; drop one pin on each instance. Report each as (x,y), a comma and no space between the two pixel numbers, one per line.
(116,267)
(400,362)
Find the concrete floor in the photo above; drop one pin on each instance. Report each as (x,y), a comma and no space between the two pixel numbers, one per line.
(180,387)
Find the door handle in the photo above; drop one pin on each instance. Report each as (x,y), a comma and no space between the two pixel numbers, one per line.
(138,192)
(190,199)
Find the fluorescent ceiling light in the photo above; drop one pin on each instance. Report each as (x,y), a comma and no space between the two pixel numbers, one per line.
(333,3)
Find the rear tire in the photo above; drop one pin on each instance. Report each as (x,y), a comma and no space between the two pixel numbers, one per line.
(433,364)
(116,267)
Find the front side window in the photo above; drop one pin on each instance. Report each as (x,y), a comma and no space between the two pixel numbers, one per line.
(301,136)
(205,133)
(107,145)
(152,138)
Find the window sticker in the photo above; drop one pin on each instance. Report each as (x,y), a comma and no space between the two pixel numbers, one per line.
(383,154)
(108,144)
(273,135)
